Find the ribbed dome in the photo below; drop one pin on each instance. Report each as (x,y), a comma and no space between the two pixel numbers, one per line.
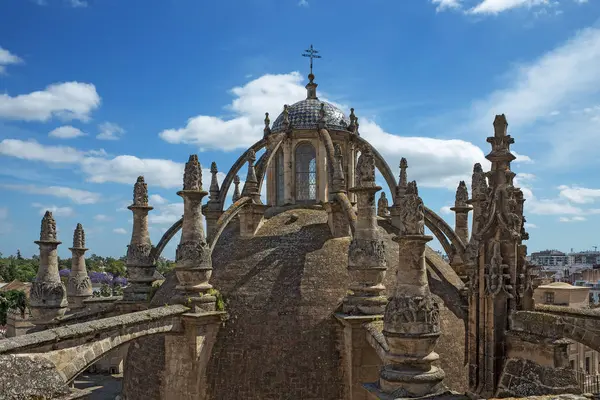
(305,115)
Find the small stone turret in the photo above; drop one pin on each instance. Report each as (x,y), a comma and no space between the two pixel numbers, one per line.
(251,216)
(212,209)
(193,260)
(140,265)
(236,191)
(367,264)
(461,227)
(395,211)
(48,297)
(79,286)
(251,184)
(411,324)
(267,130)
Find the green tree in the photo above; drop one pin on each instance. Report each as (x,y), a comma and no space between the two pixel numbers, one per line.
(12,299)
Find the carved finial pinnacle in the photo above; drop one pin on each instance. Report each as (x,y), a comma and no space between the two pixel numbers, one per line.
(79,237)
(140,192)
(192,176)
(412,188)
(48,230)
(251,156)
(236,190)
(236,179)
(213,168)
(477,168)
(500,125)
(365,168)
(462,194)
(403,163)
(267,120)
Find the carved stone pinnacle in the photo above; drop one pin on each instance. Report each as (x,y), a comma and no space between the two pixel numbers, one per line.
(192,176)
(79,237)
(48,230)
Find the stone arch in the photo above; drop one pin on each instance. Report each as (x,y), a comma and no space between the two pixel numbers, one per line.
(556,322)
(166,238)
(74,348)
(235,169)
(264,162)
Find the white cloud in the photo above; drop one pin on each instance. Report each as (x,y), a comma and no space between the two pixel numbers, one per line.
(167,214)
(66,132)
(157,199)
(78,3)
(530,225)
(102,217)
(446,4)
(445,210)
(56,211)
(521,158)
(110,131)
(579,195)
(67,101)
(7,58)
(77,196)
(498,6)
(120,231)
(572,219)
(32,150)
(303,3)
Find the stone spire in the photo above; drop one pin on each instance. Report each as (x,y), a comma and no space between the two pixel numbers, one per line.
(411,323)
(403,180)
(461,209)
(48,298)
(267,130)
(236,191)
(79,286)
(193,260)
(214,183)
(251,184)
(140,265)
(499,281)
(367,264)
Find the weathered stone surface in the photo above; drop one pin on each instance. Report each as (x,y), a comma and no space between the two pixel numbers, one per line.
(525,378)
(29,377)
(282,288)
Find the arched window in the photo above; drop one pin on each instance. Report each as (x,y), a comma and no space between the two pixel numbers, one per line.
(306,173)
(279,180)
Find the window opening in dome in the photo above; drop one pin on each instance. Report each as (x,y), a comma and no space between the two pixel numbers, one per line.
(306,173)
(279,183)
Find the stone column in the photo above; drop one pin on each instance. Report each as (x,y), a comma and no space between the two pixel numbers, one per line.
(336,218)
(411,323)
(79,286)
(193,259)
(395,210)
(366,256)
(140,265)
(48,297)
(212,208)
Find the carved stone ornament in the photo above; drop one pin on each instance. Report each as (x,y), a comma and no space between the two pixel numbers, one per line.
(479,184)
(48,230)
(78,283)
(402,312)
(192,176)
(412,212)
(139,254)
(192,251)
(47,293)
(365,168)
(236,191)
(382,206)
(462,194)
(367,253)
(140,192)
(79,237)
(495,272)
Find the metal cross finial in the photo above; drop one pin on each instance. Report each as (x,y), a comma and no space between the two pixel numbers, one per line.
(311,53)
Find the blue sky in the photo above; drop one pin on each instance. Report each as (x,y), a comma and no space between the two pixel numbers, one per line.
(94,93)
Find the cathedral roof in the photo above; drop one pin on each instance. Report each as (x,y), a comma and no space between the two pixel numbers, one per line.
(306,114)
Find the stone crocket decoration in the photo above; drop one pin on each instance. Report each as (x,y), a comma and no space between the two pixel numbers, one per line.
(140,192)
(48,297)
(411,323)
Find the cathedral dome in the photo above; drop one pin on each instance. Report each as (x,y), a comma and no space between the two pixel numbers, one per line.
(305,114)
